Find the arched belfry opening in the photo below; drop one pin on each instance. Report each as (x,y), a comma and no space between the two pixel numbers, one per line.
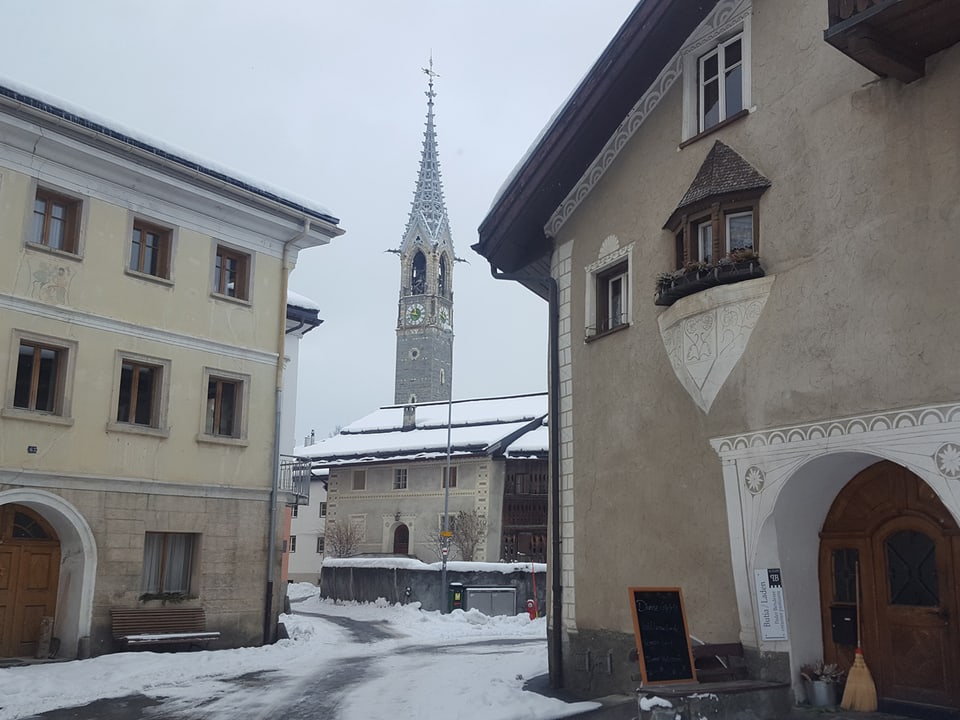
(418,274)
(442,277)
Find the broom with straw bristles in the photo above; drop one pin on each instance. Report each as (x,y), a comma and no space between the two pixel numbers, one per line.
(860,692)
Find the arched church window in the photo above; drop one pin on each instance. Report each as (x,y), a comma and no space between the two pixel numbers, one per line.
(442,277)
(418,274)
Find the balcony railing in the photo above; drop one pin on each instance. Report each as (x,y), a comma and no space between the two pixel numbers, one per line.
(295,480)
(893,37)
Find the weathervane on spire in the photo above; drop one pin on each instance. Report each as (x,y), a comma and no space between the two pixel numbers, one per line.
(428,71)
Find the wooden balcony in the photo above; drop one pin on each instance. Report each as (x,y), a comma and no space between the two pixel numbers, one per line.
(893,37)
(295,480)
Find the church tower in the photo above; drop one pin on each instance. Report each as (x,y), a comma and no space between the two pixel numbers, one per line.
(425,315)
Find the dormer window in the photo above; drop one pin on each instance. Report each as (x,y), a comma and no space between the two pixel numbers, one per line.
(715,227)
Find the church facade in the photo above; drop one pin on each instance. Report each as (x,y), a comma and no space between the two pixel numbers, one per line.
(749,214)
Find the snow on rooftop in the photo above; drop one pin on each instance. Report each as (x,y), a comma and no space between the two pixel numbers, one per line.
(114,129)
(475,425)
(530,444)
(301,301)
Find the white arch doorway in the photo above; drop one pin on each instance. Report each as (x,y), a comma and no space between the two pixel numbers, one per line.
(780,485)
(78,566)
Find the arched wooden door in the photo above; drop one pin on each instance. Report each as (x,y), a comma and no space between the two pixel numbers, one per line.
(401,540)
(907,545)
(29,574)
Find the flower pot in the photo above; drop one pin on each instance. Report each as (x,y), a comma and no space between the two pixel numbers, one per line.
(821,693)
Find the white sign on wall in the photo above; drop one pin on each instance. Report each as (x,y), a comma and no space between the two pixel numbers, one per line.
(771,610)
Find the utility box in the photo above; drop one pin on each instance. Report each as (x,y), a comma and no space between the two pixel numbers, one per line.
(491,600)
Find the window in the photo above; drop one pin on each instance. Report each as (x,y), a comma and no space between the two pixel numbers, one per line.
(150,249)
(320,544)
(612,298)
(232,273)
(608,289)
(295,511)
(40,378)
(453,477)
(400,479)
(55,221)
(168,560)
(138,403)
(721,231)
(224,414)
(223,407)
(716,75)
(720,80)
(293,543)
(323,509)
(359,479)
(442,277)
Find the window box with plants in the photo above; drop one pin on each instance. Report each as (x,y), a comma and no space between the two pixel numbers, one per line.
(693,277)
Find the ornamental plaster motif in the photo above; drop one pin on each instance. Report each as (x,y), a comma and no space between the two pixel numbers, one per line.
(753,480)
(726,13)
(947,459)
(705,334)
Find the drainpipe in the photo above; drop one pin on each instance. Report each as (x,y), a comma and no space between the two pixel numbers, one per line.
(553,300)
(274,486)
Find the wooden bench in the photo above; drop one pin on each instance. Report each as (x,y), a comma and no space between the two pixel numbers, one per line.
(719,662)
(140,627)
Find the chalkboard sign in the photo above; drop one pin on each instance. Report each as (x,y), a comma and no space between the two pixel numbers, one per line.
(660,627)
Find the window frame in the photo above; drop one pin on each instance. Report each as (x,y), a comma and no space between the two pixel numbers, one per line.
(719,52)
(168,239)
(73,231)
(63,391)
(241,407)
(701,47)
(360,475)
(192,572)
(400,479)
(323,509)
(220,251)
(716,217)
(453,476)
(321,545)
(615,265)
(292,546)
(158,426)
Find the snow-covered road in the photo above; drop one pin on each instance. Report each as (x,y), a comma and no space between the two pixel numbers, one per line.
(342,662)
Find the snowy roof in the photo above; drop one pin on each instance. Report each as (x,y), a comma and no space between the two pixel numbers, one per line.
(85,120)
(301,301)
(477,427)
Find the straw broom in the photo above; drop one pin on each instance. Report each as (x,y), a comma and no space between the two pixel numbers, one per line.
(860,692)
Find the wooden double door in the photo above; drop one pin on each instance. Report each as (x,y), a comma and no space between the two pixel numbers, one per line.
(29,574)
(890,527)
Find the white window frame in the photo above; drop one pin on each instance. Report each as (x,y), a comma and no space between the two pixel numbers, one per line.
(321,545)
(722,70)
(702,45)
(293,544)
(323,509)
(595,273)
(400,479)
(705,241)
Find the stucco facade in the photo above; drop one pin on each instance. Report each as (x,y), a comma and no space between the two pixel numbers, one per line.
(719,436)
(104,478)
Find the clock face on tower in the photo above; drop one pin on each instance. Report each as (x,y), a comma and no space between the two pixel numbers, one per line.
(444,318)
(415,314)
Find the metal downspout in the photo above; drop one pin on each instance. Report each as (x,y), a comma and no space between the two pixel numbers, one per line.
(272,521)
(556,629)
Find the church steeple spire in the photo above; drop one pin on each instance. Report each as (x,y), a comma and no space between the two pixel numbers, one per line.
(429,210)
(425,312)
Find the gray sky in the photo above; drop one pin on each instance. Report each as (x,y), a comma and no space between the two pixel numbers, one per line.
(326,100)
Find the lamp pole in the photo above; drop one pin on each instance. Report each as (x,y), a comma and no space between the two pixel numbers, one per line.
(445,534)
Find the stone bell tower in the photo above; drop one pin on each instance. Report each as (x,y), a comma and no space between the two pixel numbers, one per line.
(425,312)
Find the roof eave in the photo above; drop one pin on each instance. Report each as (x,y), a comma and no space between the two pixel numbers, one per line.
(512,234)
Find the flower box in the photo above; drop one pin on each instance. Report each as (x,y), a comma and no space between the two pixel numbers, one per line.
(673,286)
